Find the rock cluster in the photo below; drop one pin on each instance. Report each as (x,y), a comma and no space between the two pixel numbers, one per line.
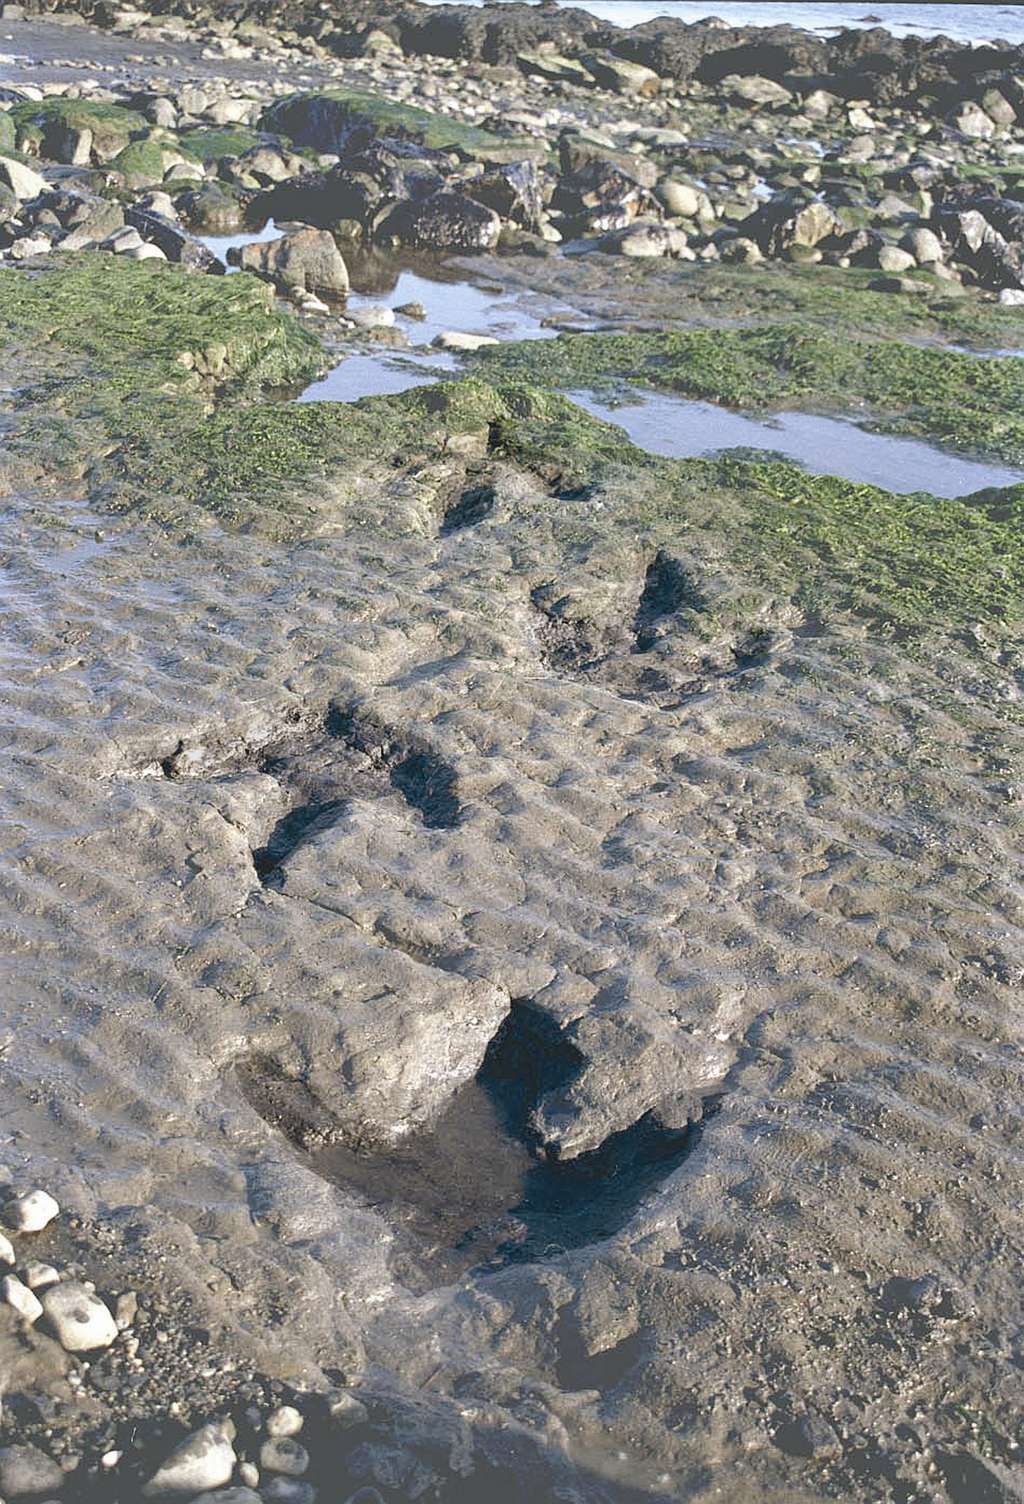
(574,143)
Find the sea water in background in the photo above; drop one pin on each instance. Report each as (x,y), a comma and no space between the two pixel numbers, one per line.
(964,23)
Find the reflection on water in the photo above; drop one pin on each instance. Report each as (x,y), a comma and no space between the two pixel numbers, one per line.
(680,428)
(375,375)
(659,422)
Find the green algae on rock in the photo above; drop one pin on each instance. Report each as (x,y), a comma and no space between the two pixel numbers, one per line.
(137,324)
(39,124)
(325,119)
(958,399)
(146,379)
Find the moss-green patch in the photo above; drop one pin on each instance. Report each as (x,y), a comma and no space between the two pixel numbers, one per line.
(913,561)
(8,135)
(132,322)
(114,399)
(112,125)
(209,143)
(960,400)
(143,163)
(323,119)
(839,298)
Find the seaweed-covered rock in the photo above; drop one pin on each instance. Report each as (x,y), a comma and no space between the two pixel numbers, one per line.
(340,119)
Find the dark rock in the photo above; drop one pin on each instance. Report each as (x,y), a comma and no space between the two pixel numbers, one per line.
(445,221)
(514,193)
(996,260)
(175,243)
(602,197)
(789,219)
(575,153)
(490,36)
(213,209)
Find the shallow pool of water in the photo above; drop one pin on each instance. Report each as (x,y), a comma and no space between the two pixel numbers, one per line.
(379,375)
(659,422)
(681,429)
(221,244)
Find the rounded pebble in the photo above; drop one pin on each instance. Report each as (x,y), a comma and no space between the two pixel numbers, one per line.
(31,1212)
(282,1454)
(79,1318)
(20,1298)
(205,1460)
(284,1421)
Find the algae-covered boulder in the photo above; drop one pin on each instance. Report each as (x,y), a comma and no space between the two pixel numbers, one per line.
(338,119)
(213,209)
(142,164)
(60,129)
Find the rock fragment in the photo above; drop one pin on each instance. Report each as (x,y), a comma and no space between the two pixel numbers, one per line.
(205,1460)
(26,1472)
(20,1298)
(283,1454)
(31,1212)
(80,1320)
(284,1421)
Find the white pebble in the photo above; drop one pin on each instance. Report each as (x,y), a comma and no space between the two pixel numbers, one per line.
(31,1212)
(282,1454)
(80,1319)
(284,1421)
(7,1255)
(204,1460)
(39,1275)
(20,1298)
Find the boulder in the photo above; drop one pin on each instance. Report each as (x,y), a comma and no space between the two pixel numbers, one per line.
(445,221)
(892,259)
(646,239)
(986,238)
(680,199)
(80,1320)
(602,197)
(621,76)
(26,1472)
(205,1460)
(172,241)
(307,259)
(513,191)
(555,68)
(972,121)
(755,90)
(213,209)
(576,152)
(787,220)
(23,182)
